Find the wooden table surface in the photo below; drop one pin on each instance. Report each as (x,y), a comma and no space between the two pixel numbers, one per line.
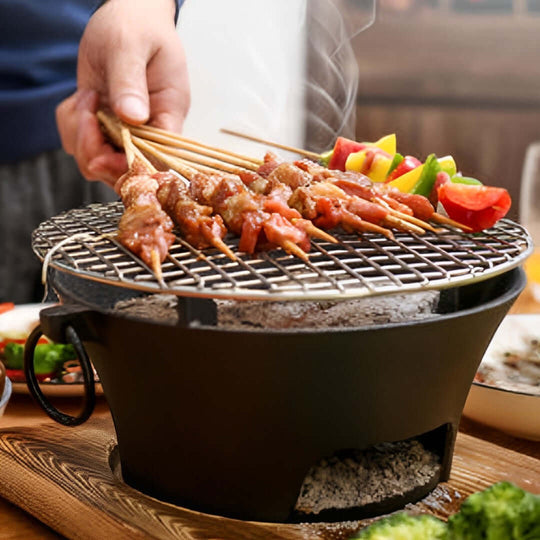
(16,524)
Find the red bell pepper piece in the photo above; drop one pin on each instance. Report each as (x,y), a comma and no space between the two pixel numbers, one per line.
(442,178)
(342,149)
(478,207)
(407,164)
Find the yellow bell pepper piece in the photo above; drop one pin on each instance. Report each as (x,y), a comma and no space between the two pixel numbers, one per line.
(355,161)
(448,165)
(379,168)
(387,143)
(407,181)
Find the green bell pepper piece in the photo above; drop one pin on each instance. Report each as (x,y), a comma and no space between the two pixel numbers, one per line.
(48,357)
(325,158)
(427,178)
(398,158)
(465,180)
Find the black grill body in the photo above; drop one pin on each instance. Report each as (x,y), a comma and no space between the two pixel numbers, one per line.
(229,422)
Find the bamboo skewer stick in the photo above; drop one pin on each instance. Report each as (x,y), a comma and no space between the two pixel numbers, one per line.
(439,218)
(193,158)
(166,160)
(290,247)
(404,225)
(174,141)
(112,127)
(411,219)
(301,151)
(315,232)
(133,154)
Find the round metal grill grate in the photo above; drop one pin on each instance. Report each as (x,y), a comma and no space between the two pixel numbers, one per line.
(355,267)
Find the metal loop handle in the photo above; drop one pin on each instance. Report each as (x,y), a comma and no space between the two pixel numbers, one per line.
(89,400)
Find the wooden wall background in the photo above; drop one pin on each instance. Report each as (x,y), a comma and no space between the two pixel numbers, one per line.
(466,84)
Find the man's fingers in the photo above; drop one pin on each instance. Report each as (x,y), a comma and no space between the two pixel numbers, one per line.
(86,100)
(127,87)
(66,120)
(95,158)
(68,116)
(169,86)
(108,168)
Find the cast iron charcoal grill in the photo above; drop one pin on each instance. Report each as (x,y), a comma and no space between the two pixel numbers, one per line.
(230,421)
(355,267)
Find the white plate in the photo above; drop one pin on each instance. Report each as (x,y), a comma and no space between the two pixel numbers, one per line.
(17,324)
(516,412)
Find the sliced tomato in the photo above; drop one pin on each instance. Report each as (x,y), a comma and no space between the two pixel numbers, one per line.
(342,149)
(479,207)
(17,375)
(408,163)
(6,306)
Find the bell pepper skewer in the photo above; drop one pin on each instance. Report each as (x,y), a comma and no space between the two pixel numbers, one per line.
(292,175)
(358,185)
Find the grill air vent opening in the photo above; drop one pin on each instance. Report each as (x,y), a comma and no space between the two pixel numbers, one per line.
(356,484)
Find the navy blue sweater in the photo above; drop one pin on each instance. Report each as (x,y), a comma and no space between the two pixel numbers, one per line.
(39,41)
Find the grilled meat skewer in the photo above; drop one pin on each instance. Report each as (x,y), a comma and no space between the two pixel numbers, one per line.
(144,228)
(278,227)
(196,223)
(244,214)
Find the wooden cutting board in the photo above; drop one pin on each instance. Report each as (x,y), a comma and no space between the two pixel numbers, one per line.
(63,476)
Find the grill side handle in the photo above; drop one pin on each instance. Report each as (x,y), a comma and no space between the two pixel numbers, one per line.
(58,323)
(54,321)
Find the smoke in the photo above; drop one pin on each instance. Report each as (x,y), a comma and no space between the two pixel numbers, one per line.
(332,73)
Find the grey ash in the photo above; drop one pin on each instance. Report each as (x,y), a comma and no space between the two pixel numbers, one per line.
(355,478)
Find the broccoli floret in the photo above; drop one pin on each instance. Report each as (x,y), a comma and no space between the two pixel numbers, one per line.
(501,512)
(403,526)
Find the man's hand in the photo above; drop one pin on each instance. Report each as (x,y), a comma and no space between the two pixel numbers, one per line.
(131,61)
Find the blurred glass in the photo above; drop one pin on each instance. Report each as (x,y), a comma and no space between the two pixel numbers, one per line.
(529,212)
